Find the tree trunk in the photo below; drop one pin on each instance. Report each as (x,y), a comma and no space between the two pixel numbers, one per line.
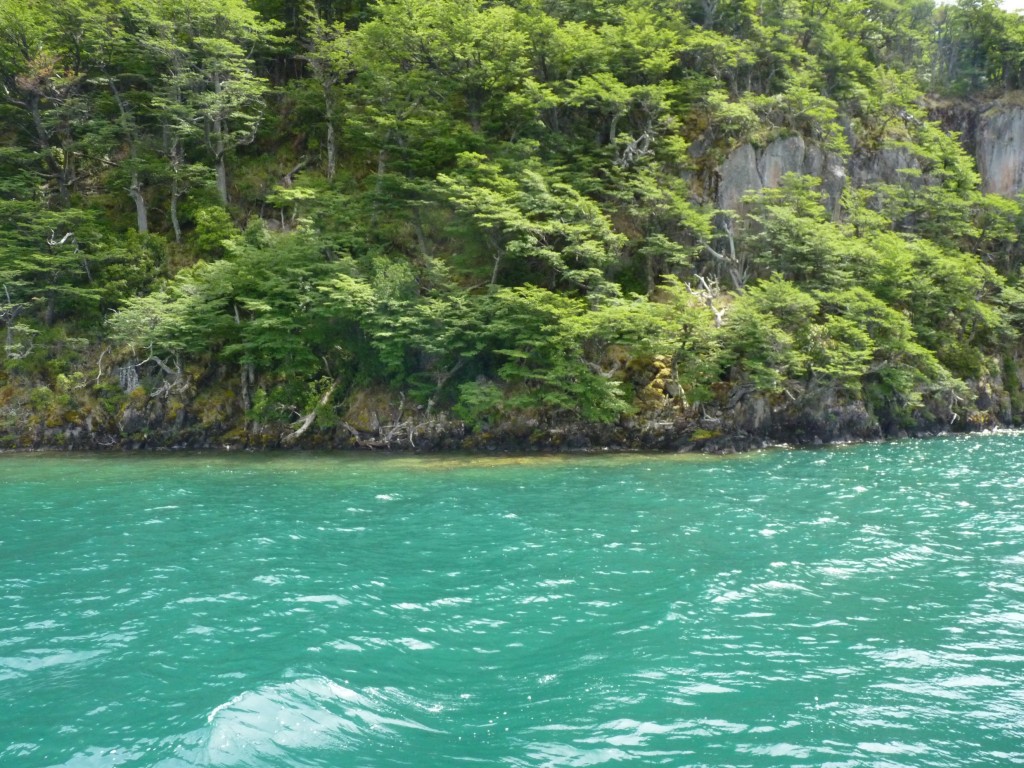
(175,223)
(177,161)
(43,140)
(307,421)
(248,378)
(421,235)
(67,172)
(494,272)
(141,214)
(222,170)
(135,188)
(42,137)
(9,316)
(217,128)
(378,186)
(332,151)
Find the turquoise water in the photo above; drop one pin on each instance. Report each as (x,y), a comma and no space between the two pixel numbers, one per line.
(861,606)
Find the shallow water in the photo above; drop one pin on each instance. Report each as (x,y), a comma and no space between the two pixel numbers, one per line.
(861,606)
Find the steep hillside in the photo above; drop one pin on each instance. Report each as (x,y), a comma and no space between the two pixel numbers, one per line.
(451,223)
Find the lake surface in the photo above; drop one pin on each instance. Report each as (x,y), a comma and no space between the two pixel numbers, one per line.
(861,606)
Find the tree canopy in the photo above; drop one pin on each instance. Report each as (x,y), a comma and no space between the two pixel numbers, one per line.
(503,210)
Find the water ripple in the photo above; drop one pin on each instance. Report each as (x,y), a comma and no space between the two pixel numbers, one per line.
(858,607)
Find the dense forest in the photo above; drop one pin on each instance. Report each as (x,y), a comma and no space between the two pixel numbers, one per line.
(459,223)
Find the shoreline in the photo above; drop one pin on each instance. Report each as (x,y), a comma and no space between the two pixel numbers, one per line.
(215,418)
(493,444)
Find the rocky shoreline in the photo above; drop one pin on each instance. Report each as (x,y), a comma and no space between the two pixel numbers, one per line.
(745,422)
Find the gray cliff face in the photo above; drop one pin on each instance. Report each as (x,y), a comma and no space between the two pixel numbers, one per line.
(999,149)
(748,169)
(782,156)
(993,132)
(738,176)
(891,165)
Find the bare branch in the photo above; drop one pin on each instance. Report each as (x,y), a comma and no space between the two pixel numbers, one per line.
(53,242)
(286,180)
(709,291)
(307,421)
(636,149)
(99,366)
(162,365)
(734,263)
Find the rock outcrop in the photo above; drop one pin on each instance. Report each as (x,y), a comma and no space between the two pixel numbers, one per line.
(889,164)
(992,132)
(749,169)
(738,176)
(999,148)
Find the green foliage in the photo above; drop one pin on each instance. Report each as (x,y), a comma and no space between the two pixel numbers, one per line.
(691,337)
(536,334)
(779,338)
(892,367)
(213,232)
(256,307)
(979,44)
(793,236)
(504,208)
(760,344)
(552,232)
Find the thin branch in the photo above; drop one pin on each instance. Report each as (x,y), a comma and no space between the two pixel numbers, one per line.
(99,366)
(163,366)
(307,421)
(709,291)
(286,180)
(53,242)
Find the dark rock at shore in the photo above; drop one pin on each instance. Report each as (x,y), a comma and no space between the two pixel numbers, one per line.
(748,422)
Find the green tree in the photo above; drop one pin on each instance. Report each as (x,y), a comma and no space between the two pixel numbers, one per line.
(536,335)
(544,225)
(209,87)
